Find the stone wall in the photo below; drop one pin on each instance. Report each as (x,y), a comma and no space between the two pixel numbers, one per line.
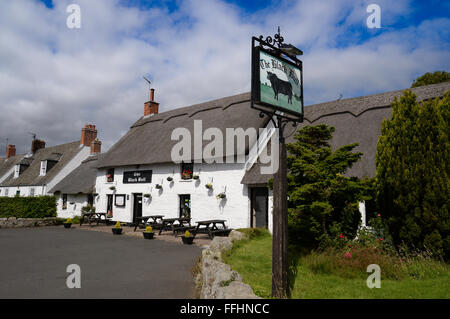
(217,279)
(13,222)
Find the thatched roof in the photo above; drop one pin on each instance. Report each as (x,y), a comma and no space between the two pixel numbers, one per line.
(31,177)
(81,180)
(149,139)
(356,120)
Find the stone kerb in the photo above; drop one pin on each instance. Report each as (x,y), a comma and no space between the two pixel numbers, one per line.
(13,222)
(217,279)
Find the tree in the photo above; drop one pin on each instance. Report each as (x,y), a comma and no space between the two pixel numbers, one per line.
(322,202)
(431,78)
(413,162)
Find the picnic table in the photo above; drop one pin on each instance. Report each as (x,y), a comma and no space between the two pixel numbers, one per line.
(214,227)
(93,216)
(144,220)
(174,224)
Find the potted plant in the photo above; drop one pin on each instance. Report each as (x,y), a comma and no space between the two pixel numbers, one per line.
(188,239)
(195,176)
(170,178)
(117,230)
(221,196)
(112,187)
(148,233)
(158,186)
(68,223)
(209,186)
(147,195)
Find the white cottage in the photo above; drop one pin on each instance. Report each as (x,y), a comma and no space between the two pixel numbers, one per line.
(138,176)
(77,189)
(39,171)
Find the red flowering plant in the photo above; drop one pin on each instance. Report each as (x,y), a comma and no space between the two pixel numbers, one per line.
(186,174)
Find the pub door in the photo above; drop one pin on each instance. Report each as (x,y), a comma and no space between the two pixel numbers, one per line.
(109,205)
(259,207)
(185,205)
(137,206)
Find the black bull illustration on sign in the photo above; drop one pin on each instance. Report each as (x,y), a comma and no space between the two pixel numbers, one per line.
(280,86)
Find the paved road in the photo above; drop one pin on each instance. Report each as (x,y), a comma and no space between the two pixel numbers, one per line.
(33,264)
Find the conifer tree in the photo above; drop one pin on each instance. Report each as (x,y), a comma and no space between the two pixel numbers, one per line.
(323,203)
(413,162)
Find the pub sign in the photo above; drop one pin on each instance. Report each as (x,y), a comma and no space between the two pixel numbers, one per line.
(132,177)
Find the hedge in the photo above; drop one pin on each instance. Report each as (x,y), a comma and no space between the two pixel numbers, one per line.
(28,207)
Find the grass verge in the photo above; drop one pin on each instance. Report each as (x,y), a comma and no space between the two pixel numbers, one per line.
(328,275)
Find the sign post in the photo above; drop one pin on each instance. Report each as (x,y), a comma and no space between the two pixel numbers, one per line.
(277,91)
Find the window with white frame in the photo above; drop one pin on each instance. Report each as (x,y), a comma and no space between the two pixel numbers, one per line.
(31,191)
(43,168)
(16,171)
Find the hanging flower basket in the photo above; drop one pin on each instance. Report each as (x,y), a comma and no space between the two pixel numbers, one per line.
(221,196)
(112,187)
(169,178)
(195,176)
(186,174)
(158,186)
(147,195)
(209,186)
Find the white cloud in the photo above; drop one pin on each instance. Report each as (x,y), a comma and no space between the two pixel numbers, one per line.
(53,79)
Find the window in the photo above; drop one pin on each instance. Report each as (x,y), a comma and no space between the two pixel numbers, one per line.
(16,171)
(31,191)
(110,175)
(187,170)
(90,199)
(43,168)
(6,192)
(17,192)
(64,201)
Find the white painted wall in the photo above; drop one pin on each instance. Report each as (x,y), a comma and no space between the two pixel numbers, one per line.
(74,205)
(24,190)
(204,204)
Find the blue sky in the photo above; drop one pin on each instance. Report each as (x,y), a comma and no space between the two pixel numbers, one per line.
(53,79)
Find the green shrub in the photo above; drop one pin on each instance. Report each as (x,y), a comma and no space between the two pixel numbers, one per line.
(254,232)
(413,173)
(323,202)
(28,207)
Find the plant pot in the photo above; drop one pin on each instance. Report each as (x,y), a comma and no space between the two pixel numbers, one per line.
(188,240)
(117,231)
(148,235)
(67,225)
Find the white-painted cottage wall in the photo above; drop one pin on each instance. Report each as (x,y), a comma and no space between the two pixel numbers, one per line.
(74,205)
(204,204)
(24,191)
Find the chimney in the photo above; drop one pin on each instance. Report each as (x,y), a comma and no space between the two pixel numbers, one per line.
(37,145)
(88,134)
(96,147)
(10,151)
(151,107)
